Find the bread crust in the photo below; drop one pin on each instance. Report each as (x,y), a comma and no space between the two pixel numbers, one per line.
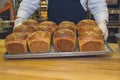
(15,43)
(64,40)
(50,24)
(39,41)
(90,36)
(67,25)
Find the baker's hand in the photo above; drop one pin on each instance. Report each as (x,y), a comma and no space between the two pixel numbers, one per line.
(104,29)
(18,21)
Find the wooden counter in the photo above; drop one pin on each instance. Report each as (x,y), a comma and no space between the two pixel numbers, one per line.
(80,68)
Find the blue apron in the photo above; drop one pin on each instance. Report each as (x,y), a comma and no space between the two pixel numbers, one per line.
(61,10)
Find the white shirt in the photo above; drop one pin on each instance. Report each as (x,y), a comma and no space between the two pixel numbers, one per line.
(97,7)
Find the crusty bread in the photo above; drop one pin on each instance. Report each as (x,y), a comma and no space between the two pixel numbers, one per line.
(15,43)
(81,31)
(87,25)
(23,29)
(67,22)
(64,40)
(90,36)
(45,28)
(39,41)
(67,25)
(31,23)
(50,24)
(91,41)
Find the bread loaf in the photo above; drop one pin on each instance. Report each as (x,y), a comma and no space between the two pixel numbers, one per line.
(39,41)
(23,29)
(87,25)
(31,23)
(50,24)
(91,41)
(90,36)
(67,25)
(44,28)
(15,43)
(64,40)
(87,22)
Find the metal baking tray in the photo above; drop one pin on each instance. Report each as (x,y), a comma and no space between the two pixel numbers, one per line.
(53,54)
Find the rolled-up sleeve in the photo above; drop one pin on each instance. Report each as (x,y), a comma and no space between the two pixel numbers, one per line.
(99,10)
(27,8)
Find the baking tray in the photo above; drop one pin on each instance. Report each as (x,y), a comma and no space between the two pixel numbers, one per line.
(53,54)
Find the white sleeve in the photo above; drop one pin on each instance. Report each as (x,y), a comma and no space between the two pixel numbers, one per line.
(99,10)
(27,8)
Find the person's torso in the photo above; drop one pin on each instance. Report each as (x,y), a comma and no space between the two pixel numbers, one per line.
(71,10)
(83,3)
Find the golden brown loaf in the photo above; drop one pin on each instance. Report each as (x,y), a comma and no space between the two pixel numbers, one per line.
(90,36)
(31,23)
(15,43)
(87,22)
(67,22)
(44,28)
(64,40)
(23,29)
(67,25)
(91,41)
(39,41)
(87,25)
(81,31)
(50,24)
